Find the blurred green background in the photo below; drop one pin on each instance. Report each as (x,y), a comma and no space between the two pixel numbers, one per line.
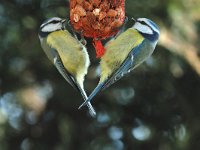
(156,107)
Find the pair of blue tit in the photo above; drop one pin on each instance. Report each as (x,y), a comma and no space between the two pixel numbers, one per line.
(123,53)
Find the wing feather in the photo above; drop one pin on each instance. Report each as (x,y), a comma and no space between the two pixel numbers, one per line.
(69,78)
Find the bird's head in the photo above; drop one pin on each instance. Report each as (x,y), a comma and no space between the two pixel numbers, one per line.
(147,28)
(51,25)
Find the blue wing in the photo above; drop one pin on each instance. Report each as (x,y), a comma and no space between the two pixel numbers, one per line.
(60,67)
(69,78)
(124,69)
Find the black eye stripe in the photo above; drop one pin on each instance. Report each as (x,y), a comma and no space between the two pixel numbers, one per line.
(52,22)
(55,21)
(144,23)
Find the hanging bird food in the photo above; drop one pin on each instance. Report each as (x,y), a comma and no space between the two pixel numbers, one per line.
(97,19)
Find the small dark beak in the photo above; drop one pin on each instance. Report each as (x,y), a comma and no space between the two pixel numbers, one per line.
(63,23)
(134,20)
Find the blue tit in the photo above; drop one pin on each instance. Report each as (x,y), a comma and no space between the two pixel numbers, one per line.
(67,53)
(125,52)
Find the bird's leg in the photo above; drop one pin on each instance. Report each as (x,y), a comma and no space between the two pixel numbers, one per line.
(126,20)
(83,40)
(73,32)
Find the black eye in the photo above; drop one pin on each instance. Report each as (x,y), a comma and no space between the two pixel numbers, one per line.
(142,22)
(55,21)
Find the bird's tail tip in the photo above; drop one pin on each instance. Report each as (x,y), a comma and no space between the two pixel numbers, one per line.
(92,111)
(83,104)
(93,114)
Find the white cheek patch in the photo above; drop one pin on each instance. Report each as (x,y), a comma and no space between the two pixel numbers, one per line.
(143,28)
(151,24)
(155,29)
(52,27)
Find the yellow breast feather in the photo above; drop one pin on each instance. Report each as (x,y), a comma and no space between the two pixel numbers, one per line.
(70,50)
(116,52)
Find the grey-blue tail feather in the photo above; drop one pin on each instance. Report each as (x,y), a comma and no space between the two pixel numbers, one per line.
(93,94)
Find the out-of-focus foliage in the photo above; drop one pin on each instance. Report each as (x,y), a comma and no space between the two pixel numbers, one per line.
(154,108)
